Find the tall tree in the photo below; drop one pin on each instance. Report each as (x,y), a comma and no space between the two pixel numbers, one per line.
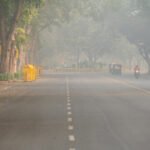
(10,12)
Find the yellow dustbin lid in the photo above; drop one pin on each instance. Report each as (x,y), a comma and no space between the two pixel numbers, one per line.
(29,66)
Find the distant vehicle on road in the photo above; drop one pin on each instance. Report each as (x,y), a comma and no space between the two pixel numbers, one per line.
(115,69)
(137,71)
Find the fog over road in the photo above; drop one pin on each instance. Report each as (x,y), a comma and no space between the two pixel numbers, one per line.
(76,111)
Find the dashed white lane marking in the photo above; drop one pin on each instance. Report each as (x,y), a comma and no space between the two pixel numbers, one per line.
(69,108)
(68,104)
(71,138)
(69,119)
(70,127)
(69,113)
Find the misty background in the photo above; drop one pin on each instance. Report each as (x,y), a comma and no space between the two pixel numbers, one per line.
(96,33)
(77,34)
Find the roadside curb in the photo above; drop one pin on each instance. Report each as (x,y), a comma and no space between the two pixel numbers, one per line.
(7,87)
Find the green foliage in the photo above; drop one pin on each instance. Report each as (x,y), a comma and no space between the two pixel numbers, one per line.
(21,37)
(18,75)
(113,17)
(28,14)
(6,77)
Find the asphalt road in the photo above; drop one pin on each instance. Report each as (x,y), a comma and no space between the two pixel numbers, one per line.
(76,111)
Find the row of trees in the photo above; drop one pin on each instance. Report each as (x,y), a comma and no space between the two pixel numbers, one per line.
(115,20)
(135,26)
(95,28)
(16,33)
(130,18)
(21,22)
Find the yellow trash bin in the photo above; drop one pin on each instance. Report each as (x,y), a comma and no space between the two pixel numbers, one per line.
(29,73)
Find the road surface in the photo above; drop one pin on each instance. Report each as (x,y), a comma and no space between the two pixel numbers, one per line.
(76,111)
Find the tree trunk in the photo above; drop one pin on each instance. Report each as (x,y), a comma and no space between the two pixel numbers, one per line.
(21,59)
(147,59)
(90,60)
(78,58)
(94,60)
(7,39)
(33,49)
(12,60)
(26,54)
(4,66)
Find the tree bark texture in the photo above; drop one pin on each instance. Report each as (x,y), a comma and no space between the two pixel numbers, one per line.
(146,57)
(4,53)
(7,38)
(12,60)
(33,50)
(21,59)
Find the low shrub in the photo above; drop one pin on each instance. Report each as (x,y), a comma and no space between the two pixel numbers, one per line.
(18,75)
(6,77)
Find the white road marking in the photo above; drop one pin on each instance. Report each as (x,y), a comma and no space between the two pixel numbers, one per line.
(69,119)
(71,138)
(70,127)
(131,86)
(69,113)
(69,108)
(68,104)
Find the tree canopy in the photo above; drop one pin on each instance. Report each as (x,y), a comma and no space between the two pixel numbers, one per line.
(90,27)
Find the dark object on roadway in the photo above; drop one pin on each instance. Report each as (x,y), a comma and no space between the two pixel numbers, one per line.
(115,69)
(137,74)
(137,71)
